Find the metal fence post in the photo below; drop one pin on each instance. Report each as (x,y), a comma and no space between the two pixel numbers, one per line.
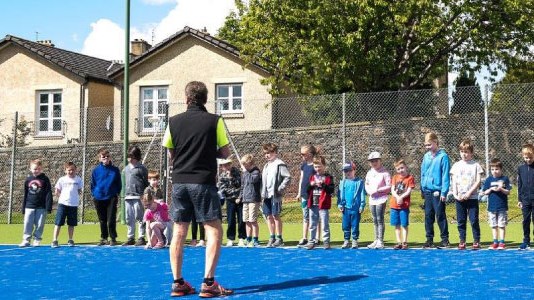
(344,129)
(486,127)
(84,162)
(12,174)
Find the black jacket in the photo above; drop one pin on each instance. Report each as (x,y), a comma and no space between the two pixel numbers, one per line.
(37,193)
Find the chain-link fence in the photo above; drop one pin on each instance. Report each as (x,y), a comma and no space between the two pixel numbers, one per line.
(498,119)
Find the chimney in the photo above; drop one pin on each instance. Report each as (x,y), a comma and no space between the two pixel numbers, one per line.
(139,46)
(46,43)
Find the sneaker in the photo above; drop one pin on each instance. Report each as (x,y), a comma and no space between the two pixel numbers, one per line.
(311,245)
(129,242)
(524,246)
(502,246)
(102,242)
(493,246)
(428,245)
(178,290)
(379,245)
(113,242)
(404,246)
(215,290)
(461,246)
(302,242)
(278,243)
(36,243)
(24,244)
(70,243)
(476,246)
(345,244)
(397,247)
(241,243)
(230,243)
(140,242)
(327,246)
(270,243)
(55,244)
(201,243)
(158,245)
(372,245)
(354,244)
(444,244)
(255,244)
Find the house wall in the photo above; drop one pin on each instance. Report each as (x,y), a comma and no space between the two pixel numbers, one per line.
(193,59)
(22,76)
(100,114)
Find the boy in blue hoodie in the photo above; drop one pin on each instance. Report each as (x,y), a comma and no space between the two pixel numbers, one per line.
(525,192)
(351,202)
(435,182)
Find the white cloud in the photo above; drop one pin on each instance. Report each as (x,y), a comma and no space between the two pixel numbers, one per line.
(106,39)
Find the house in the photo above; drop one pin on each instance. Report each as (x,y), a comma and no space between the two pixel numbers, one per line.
(159,74)
(52,89)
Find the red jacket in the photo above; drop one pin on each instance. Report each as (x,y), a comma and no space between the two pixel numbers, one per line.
(325,200)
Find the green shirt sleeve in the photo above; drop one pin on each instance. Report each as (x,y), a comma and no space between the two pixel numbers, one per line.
(167,139)
(222,139)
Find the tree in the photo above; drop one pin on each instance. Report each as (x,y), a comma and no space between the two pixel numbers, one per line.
(323,47)
(467,96)
(23,131)
(515,92)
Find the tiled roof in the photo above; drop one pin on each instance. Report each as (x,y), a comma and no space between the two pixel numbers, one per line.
(87,67)
(186,31)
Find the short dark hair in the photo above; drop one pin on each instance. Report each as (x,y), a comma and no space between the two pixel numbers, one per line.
(270,147)
(134,152)
(496,163)
(196,92)
(69,164)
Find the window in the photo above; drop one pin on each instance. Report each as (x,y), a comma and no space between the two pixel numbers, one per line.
(230,98)
(153,108)
(50,113)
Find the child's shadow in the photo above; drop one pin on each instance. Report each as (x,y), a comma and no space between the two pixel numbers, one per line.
(297,283)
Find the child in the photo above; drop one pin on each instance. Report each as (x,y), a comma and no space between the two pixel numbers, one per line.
(251,198)
(497,188)
(136,176)
(156,217)
(525,192)
(465,175)
(106,186)
(157,192)
(377,186)
(402,185)
(351,202)
(320,190)
(37,202)
(307,152)
(230,187)
(275,179)
(68,188)
(197,229)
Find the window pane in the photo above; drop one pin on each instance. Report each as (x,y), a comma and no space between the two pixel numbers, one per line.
(236,90)
(57,111)
(223,104)
(147,108)
(162,106)
(43,125)
(222,91)
(162,93)
(43,98)
(57,125)
(236,104)
(147,123)
(148,94)
(43,112)
(57,98)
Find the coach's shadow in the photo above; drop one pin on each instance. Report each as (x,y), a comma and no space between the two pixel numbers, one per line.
(296,283)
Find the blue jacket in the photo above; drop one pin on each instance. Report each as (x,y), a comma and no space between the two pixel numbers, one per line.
(435,172)
(351,187)
(525,182)
(105,182)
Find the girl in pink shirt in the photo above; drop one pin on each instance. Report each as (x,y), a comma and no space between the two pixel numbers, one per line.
(156,218)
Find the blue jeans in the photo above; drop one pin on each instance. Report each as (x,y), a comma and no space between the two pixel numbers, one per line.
(463,209)
(435,209)
(351,222)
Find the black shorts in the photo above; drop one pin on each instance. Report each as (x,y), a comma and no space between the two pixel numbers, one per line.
(199,199)
(68,212)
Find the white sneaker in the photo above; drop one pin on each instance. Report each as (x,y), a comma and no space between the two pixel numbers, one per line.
(372,245)
(354,244)
(379,245)
(24,244)
(241,243)
(230,243)
(345,244)
(36,243)
(201,243)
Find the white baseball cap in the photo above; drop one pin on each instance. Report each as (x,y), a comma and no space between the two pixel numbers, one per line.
(374,155)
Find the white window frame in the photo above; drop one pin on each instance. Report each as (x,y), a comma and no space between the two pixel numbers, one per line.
(230,98)
(153,103)
(51,116)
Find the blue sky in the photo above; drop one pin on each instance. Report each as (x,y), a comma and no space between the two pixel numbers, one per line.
(96,27)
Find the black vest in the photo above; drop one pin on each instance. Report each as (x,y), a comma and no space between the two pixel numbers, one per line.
(194,136)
